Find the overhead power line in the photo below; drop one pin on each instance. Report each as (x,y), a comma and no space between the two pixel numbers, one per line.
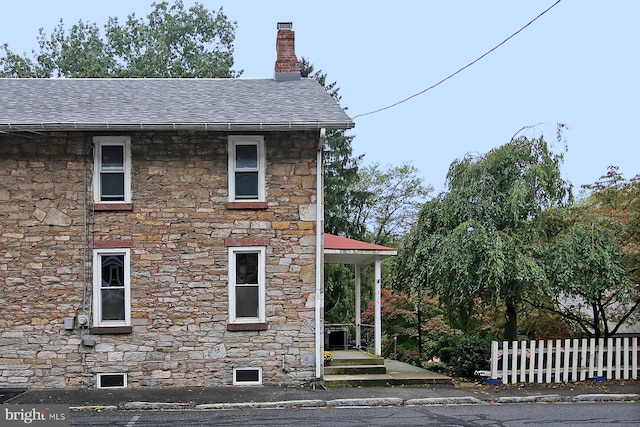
(461,69)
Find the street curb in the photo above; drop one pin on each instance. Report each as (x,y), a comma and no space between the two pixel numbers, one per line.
(373,401)
(360,402)
(549,398)
(445,401)
(94,408)
(269,405)
(605,398)
(143,406)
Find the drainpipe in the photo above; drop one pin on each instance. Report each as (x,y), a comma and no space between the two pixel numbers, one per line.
(319,256)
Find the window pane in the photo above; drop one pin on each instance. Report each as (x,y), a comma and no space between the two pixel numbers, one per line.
(112,303)
(246,185)
(112,157)
(246,156)
(247,375)
(112,186)
(246,301)
(247,268)
(112,271)
(115,380)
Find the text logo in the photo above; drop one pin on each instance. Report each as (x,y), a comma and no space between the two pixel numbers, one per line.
(35,415)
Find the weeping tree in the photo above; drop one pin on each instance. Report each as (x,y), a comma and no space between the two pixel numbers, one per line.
(473,245)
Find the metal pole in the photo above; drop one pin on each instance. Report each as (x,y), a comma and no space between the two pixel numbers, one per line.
(419,332)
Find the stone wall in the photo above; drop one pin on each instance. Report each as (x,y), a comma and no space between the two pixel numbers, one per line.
(179,262)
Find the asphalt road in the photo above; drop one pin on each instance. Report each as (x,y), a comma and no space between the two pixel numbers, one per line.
(508,415)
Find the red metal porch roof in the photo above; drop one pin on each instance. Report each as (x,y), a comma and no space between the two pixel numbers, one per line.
(342,243)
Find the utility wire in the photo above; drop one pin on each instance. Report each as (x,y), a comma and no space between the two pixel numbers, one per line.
(461,69)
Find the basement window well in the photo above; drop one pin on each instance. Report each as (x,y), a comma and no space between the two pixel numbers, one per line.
(247,376)
(112,380)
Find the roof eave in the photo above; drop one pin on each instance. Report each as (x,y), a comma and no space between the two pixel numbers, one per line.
(360,252)
(175,126)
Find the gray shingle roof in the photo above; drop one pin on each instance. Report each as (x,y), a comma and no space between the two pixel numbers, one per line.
(196,104)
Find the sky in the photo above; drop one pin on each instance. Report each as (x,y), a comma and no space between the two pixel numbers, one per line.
(578,64)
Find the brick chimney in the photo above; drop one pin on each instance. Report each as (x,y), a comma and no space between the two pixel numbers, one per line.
(287,65)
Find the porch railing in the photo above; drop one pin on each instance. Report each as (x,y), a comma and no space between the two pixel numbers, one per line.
(350,337)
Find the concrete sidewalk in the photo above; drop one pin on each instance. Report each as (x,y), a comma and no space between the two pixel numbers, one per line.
(270,397)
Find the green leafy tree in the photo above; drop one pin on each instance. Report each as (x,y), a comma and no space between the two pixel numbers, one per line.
(588,279)
(618,200)
(592,257)
(171,42)
(395,196)
(473,244)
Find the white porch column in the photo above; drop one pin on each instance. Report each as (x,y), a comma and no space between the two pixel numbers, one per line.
(378,320)
(358,308)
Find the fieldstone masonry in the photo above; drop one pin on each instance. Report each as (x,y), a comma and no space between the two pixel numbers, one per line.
(176,230)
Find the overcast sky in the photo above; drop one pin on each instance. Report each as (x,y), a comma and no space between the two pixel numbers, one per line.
(578,64)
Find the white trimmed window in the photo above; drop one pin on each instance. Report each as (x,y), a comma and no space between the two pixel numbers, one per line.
(112,170)
(111,380)
(246,284)
(246,168)
(111,287)
(247,376)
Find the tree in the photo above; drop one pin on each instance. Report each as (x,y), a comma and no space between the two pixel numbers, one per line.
(399,311)
(395,196)
(473,244)
(592,257)
(618,200)
(340,199)
(171,42)
(588,279)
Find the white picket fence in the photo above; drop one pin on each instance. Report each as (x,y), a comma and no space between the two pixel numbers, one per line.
(566,360)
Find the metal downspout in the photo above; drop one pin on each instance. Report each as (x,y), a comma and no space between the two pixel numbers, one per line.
(319,257)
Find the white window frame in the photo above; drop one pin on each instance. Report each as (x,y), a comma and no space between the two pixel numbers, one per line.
(259,382)
(258,141)
(97,279)
(233,251)
(100,375)
(99,142)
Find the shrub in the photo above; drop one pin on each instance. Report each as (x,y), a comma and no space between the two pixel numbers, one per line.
(471,352)
(439,367)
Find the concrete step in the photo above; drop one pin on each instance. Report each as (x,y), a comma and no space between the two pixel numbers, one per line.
(382,380)
(355,369)
(397,373)
(371,360)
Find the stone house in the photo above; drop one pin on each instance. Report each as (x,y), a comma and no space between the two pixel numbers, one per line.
(163,232)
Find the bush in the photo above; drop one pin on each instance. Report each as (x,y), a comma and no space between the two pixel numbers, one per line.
(439,367)
(471,352)
(464,354)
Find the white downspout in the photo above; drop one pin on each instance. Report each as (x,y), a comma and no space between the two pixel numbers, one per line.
(319,257)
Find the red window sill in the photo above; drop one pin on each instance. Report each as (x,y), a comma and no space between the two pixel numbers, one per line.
(104,330)
(247,205)
(233,327)
(112,207)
